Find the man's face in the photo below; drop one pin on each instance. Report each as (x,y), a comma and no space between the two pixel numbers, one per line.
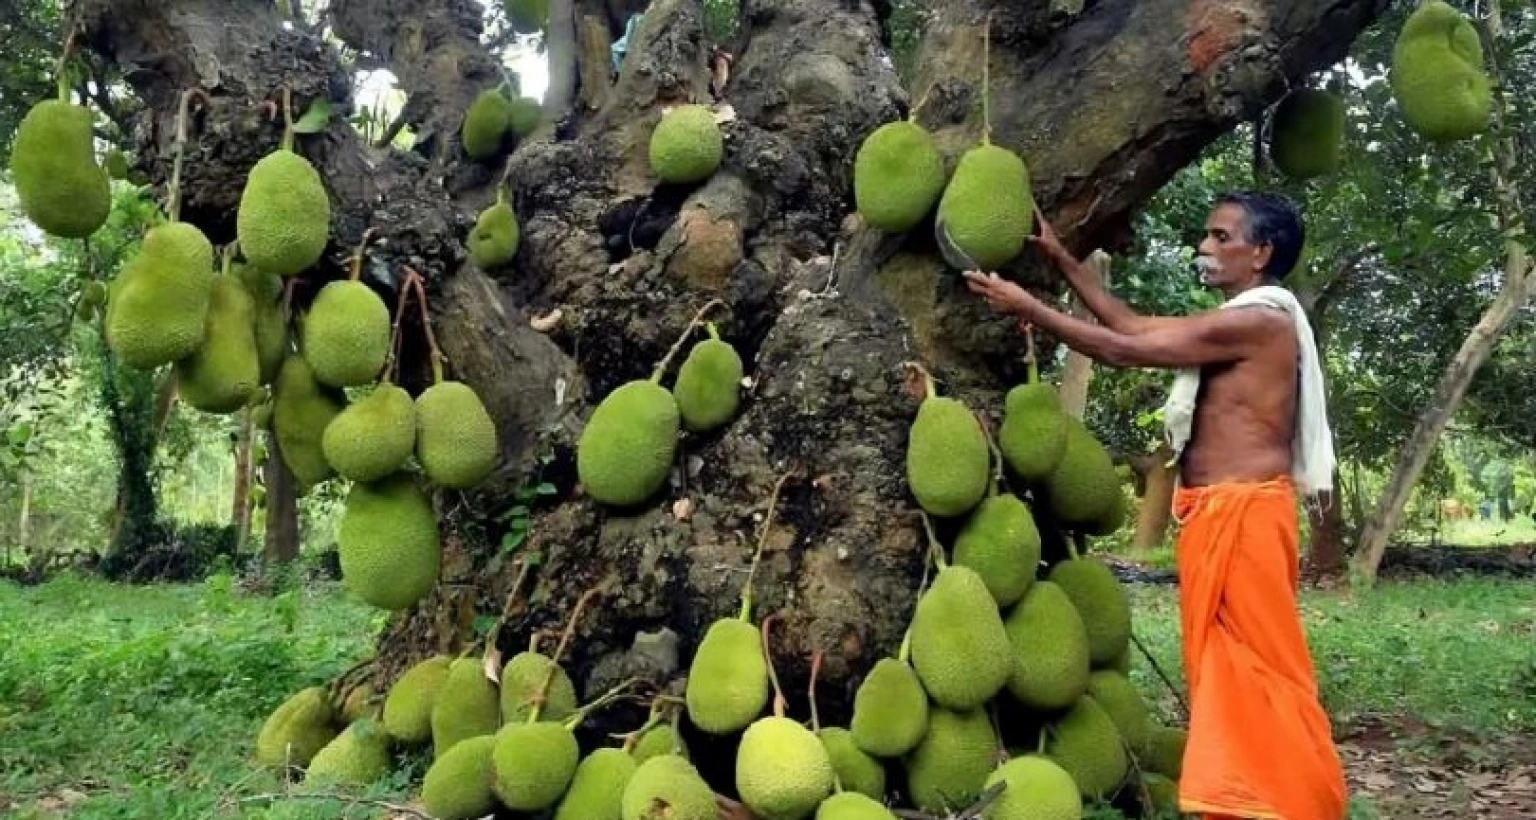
(1226,244)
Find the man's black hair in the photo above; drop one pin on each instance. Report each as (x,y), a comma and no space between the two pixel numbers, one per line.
(1274,219)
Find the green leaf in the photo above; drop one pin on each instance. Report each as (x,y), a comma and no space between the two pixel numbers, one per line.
(315,118)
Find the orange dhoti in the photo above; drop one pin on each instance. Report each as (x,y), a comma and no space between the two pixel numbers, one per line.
(1259,743)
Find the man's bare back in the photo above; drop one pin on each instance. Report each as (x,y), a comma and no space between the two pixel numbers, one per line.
(1245,417)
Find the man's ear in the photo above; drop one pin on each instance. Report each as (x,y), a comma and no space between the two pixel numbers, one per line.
(1261,256)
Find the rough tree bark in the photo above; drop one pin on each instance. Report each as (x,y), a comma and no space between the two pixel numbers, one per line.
(1105,105)
(1077,372)
(240,504)
(280,542)
(1156,508)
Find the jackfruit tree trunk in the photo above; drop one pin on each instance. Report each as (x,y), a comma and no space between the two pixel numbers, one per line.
(280,543)
(1156,508)
(240,511)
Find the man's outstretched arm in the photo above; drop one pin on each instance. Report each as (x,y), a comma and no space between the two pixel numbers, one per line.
(1113,313)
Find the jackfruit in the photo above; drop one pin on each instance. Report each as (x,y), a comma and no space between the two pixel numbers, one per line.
(597,789)
(527,16)
(466,706)
(524,116)
(357,757)
(1086,743)
(457,786)
(485,124)
(299,728)
(53,164)
(301,409)
(1037,789)
(1163,794)
(668,787)
(347,334)
(284,218)
(359,703)
(1121,662)
(408,704)
(1084,484)
(856,770)
(455,437)
(987,208)
(948,460)
(728,679)
(782,769)
(388,543)
(494,240)
(1123,704)
(960,650)
(157,310)
(708,388)
(852,806)
(1437,74)
(625,451)
(1033,435)
(1164,751)
(686,145)
(373,436)
(1307,133)
(115,163)
(660,739)
(534,764)
(1110,520)
(522,678)
(223,373)
(898,175)
(999,541)
(271,330)
(1050,648)
(1101,601)
(948,769)
(890,710)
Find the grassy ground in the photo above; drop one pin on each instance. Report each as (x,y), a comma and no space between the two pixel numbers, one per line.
(119,702)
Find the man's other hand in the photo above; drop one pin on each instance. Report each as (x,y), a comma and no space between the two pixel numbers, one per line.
(1002,295)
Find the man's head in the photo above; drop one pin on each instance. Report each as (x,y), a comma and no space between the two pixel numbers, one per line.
(1251,236)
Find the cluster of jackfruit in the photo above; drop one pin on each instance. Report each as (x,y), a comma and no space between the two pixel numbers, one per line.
(496,120)
(1307,133)
(1437,74)
(686,145)
(333,739)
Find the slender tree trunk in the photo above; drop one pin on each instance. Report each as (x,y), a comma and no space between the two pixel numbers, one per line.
(24,521)
(1156,509)
(1077,372)
(282,537)
(240,514)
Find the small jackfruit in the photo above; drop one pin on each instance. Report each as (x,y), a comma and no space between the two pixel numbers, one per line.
(534,764)
(988,208)
(1123,704)
(356,757)
(271,329)
(783,771)
(999,540)
(1163,794)
(1437,74)
(1307,133)
(948,769)
(408,704)
(898,175)
(1050,648)
(1164,751)
(494,240)
(1086,743)
(157,310)
(284,218)
(359,703)
(457,786)
(53,163)
(948,460)
(960,649)
(302,408)
(708,388)
(524,116)
(527,16)
(625,451)
(1083,486)
(1033,435)
(387,541)
(1038,789)
(1101,601)
(597,789)
(115,163)
(466,706)
(686,145)
(668,787)
(223,373)
(300,727)
(373,436)
(522,678)
(455,436)
(856,770)
(347,334)
(890,710)
(485,124)
(728,678)
(852,806)
(660,739)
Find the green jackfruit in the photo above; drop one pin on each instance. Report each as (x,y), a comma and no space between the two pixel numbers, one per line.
(783,770)
(302,408)
(597,789)
(299,728)
(987,208)
(1101,601)
(1307,133)
(1001,543)
(856,770)
(1083,486)
(1120,663)
(668,787)
(1086,743)
(1033,435)
(271,330)
(485,124)
(373,436)
(660,739)
(527,16)
(890,710)
(1164,751)
(686,145)
(898,175)
(522,678)
(494,240)
(359,703)
(356,757)
(960,650)
(728,679)
(626,450)
(457,786)
(1038,789)
(455,437)
(388,543)
(948,460)
(347,334)
(852,806)
(115,163)
(1050,647)
(53,163)
(534,764)
(524,116)
(93,293)
(1437,74)
(1111,519)
(466,706)
(284,218)
(408,704)
(708,388)
(1163,794)
(157,310)
(223,374)
(1123,704)
(948,770)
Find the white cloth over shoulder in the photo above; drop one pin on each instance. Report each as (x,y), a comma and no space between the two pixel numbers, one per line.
(1312,457)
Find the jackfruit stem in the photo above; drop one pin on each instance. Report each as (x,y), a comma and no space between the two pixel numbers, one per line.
(905,651)
(921,101)
(1076,546)
(1040,744)
(356,267)
(997,455)
(810,691)
(227,258)
(698,318)
(512,597)
(173,201)
(1031,358)
(436,352)
(986,80)
(542,696)
(757,554)
(773,675)
(631,739)
(602,700)
(714,332)
(61,75)
(287,143)
(392,362)
(935,549)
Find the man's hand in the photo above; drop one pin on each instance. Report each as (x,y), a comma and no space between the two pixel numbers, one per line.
(1002,295)
(1047,240)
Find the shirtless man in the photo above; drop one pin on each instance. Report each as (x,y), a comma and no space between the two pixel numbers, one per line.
(1259,743)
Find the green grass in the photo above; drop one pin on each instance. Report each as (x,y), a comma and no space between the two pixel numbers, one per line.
(1494,533)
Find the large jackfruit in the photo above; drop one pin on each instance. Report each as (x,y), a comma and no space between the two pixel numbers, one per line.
(783,771)
(494,240)
(625,451)
(999,540)
(960,649)
(300,727)
(668,787)
(358,756)
(1038,789)
(270,328)
(890,710)
(522,680)
(388,542)
(948,460)
(1307,133)
(485,124)
(686,145)
(1083,487)
(728,678)
(1124,705)
(457,786)
(53,163)
(1050,648)
(302,408)
(987,208)
(597,789)
(898,175)
(373,436)
(347,334)
(284,218)
(1086,743)
(1101,601)
(223,374)
(157,310)
(1437,74)
(466,706)
(455,436)
(948,769)
(407,710)
(1033,435)
(708,387)
(534,764)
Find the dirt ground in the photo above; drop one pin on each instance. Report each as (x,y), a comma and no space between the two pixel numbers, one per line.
(1414,773)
